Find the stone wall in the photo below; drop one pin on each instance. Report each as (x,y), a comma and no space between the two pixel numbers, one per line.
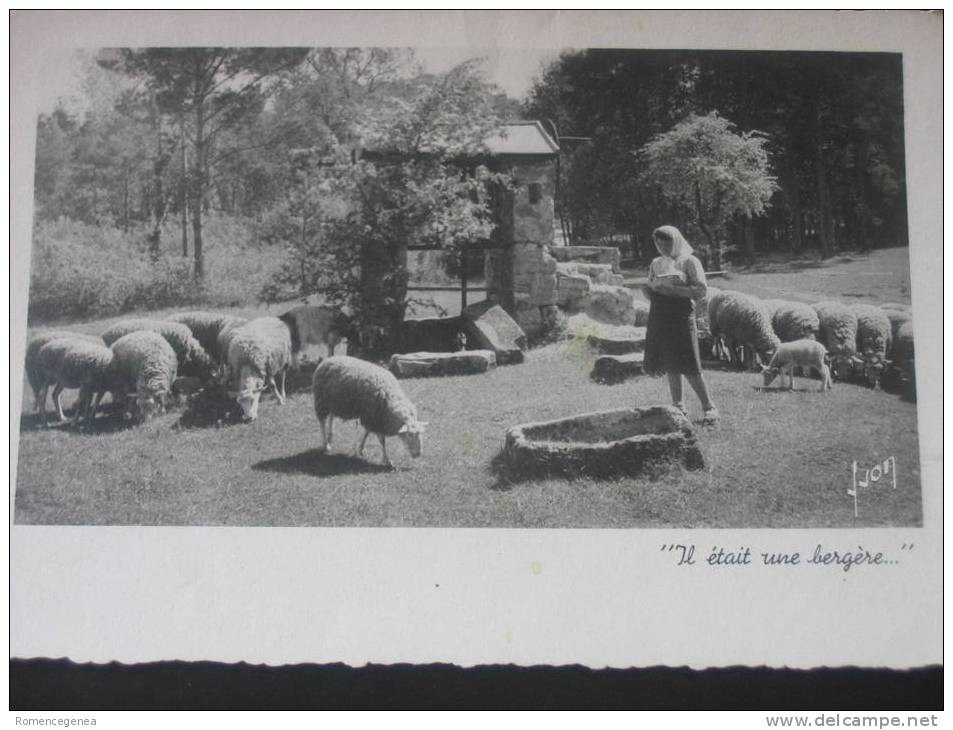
(521,276)
(589,254)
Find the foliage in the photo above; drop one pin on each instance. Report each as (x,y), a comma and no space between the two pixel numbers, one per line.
(708,173)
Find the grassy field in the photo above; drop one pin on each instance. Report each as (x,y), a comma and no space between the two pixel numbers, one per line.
(777,459)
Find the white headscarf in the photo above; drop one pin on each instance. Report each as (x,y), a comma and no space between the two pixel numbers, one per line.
(680,247)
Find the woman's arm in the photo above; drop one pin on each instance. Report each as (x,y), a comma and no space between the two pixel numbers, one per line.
(679,289)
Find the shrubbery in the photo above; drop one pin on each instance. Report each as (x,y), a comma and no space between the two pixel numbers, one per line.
(80,270)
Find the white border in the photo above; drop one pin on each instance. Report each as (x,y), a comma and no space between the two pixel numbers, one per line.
(595,597)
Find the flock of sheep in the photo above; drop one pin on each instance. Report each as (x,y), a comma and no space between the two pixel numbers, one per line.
(859,339)
(141,362)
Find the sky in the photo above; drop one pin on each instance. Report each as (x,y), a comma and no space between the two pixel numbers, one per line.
(513,69)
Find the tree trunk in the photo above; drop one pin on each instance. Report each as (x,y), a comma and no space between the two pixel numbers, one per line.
(825,213)
(792,188)
(714,244)
(183,190)
(749,240)
(198,190)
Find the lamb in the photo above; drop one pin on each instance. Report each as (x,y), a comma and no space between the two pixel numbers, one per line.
(192,357)
(873,340)
(34,372)
(258,352)
(744,322)
(805,354)
(206,328)
(72,362)
(838,333)
(144,366)
(795,321)
(350,388)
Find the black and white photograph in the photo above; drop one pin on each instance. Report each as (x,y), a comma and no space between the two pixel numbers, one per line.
(557,289)
(371,286)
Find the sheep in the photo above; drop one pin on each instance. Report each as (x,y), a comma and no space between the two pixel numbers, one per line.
(805,354)
(349,388)
(258,352)
(897,314)
(771,306)
(323,325)
(206,328)
(873,340)
(192,357)
(795,321)
(716,299)
(72,362)
(35,375)
(902,358)
(145,366)
(744,323)
(838,333)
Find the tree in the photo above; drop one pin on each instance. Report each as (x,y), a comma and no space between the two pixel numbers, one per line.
(416,184)
(212,90)
(708,174)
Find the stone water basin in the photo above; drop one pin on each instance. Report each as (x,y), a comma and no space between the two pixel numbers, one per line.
(603,444)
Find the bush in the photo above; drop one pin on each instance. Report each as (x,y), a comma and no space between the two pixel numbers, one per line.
(80,270)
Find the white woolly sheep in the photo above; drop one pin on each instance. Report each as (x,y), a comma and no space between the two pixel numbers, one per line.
(838,333)
(744,323)
(772,305)
(873,340)
(348,388)
(795,321)
(192,357)
(902,356)
(804,354)
(145,366)
(35,375)
(206,328)
(258,352)
(898,314)
(70,363)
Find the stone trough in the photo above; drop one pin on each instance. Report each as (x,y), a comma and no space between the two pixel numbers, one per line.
(604,444)
(433,364)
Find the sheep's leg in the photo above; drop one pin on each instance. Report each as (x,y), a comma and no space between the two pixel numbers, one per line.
(39,403)
(56,402)
(330,429)
(91,414)
(791,378)
(284,374)
(325,442)
(383,441)
(359,451)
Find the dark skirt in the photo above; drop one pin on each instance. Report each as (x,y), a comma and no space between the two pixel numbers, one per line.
(671,339)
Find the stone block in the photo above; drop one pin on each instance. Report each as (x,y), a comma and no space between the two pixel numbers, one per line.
(491,328)
(622,343)
(610,369)
(432,334)
(572,290)
(589,254)
(604,444)
(611,304)
(430,364)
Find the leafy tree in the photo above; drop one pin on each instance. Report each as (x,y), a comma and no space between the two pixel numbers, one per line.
(708,174)
(211,90)
(416,183)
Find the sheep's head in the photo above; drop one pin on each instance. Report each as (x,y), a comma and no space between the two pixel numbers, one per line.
(874,368)
(412,436)
(151,403)
(769,375)
(250,387)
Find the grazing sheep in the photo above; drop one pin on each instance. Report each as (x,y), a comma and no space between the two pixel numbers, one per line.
(898,314)
(145,367)
(838,333)
(805,354)
(902,358)
(258,352)
(745,325)
(71,362)
(717,299)
(319,325)
(34,373)
(873,340)
(771,306)
(224,339)
(349,388)
(206,328)
(192,357)
(795,321)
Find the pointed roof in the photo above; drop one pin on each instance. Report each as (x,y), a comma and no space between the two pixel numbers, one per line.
(522,138)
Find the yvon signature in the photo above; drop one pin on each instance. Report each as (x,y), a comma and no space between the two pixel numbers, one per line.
(864,478)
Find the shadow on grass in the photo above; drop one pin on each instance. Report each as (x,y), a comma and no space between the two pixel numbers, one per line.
(318,463)
(793,267)
(108,422)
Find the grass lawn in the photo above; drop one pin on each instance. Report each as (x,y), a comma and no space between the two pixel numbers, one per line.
(777,459)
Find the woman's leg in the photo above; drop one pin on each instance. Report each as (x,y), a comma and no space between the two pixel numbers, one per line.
(675,388)
(701,390)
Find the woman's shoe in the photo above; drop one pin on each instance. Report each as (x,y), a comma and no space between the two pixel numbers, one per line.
(711,416)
